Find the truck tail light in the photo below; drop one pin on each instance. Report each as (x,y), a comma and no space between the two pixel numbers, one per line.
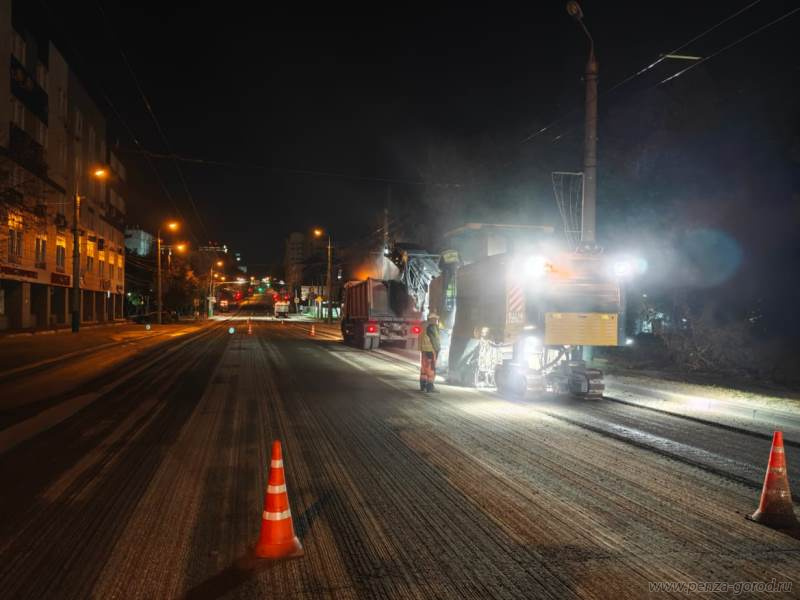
(372,328)
(416,330)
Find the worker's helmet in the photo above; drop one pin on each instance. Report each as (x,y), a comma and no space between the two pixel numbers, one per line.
(433,317)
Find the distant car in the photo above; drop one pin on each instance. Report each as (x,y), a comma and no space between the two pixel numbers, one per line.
(282,309)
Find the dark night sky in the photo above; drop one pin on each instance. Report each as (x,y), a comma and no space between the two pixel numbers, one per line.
(441,93)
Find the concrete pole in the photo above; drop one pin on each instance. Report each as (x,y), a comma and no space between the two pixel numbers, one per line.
(588,222)
(158,274)
(76,265)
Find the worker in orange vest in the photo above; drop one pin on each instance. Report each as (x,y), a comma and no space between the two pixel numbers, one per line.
(429,347)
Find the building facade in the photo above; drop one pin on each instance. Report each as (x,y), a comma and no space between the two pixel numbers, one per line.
(52,139)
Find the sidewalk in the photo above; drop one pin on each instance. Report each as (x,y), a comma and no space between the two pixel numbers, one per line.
(27,351)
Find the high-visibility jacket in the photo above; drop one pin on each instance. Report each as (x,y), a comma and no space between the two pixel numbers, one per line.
(429,339)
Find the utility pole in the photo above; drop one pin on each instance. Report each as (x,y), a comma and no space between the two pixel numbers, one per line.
(588,220)
(330,280)
(76,263)
(158,273)
(386,219)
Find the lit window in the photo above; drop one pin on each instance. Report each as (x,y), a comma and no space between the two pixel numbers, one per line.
(61,252)
(90,248)
(41,250)
(14,236)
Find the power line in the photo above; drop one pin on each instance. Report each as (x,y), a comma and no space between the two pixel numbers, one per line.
(646,69)
(119,117)
(731,45)
(220,163)
(152,114)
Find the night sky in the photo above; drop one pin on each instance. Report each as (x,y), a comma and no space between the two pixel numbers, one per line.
(444,96)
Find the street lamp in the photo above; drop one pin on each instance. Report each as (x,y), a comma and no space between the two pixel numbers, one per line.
(320,233)
(172,226)
(178,248)
(98,173)
(588,217)
(211,277)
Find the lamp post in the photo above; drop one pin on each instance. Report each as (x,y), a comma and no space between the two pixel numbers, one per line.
(98,173)
(211,275)
(319,233)
(172,226)
(588,219)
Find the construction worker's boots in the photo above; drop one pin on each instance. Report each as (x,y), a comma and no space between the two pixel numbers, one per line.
(423,386)
(431,390)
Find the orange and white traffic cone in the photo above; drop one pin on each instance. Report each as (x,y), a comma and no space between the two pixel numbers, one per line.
(249,327)
(313,330)
(277,538)
(775,508)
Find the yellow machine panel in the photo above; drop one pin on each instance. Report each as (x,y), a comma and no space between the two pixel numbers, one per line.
(581,329)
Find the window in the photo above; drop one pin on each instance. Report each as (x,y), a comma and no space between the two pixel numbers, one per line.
(92,148)
(14,236)
(62,149)
(41,76)
(41,251)
(102,268)
(62,102)
(90,246)
(41,134)
(18,47)
(61,252)
(17,113)
(111,270)
(78,123)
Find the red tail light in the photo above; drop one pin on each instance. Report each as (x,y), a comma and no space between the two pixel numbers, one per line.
(416,330)
(372,328)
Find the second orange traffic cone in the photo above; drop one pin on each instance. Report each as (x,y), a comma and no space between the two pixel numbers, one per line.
(313,330)
(775,508)
(277,538)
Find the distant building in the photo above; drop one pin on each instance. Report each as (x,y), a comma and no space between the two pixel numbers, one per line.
(52,137)
(139,242)
(294,260)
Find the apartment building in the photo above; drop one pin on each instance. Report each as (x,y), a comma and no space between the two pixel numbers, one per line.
(52,140)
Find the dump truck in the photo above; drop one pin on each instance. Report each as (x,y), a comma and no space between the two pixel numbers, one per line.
(379,311)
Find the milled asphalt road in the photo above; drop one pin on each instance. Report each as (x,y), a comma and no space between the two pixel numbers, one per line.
(155,488)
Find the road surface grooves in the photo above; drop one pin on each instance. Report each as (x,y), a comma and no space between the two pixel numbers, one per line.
(69,493)
(157,492)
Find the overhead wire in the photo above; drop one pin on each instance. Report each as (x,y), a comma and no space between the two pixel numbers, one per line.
(156,122)
(643,70)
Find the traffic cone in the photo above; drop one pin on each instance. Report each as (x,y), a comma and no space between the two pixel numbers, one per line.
(776,509)
(277,539)
(313,330)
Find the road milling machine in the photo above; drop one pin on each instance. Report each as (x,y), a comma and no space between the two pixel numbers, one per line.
(520,314)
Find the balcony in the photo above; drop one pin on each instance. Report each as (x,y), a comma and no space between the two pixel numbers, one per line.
(30,93)
(27,151)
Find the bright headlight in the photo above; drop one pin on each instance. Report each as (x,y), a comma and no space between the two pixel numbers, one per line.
(531,345)
(535,266)
(623,268)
